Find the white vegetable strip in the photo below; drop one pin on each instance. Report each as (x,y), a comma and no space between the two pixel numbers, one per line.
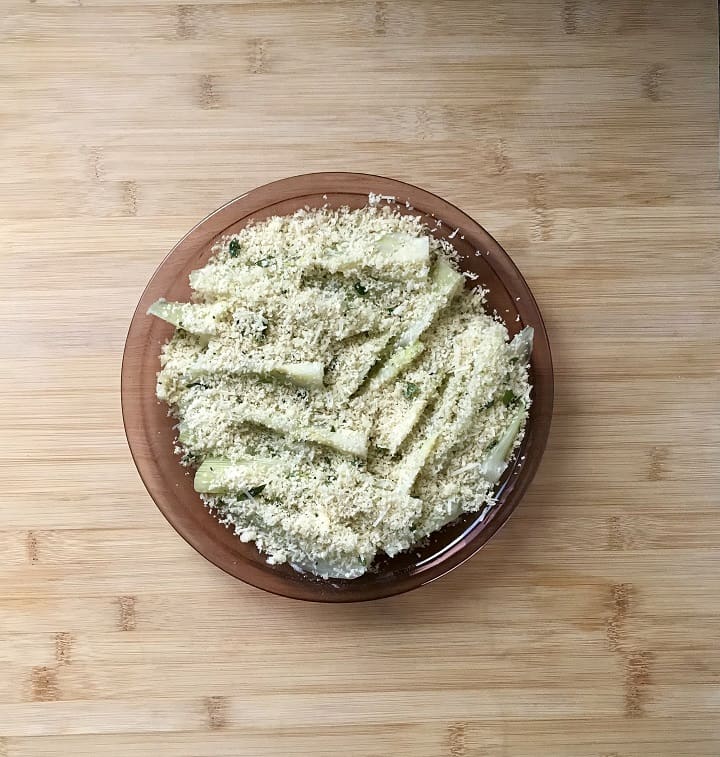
(396,364)
(219,476)
(391,251)
(446,283)
(391,432)
(345,440)
(482,379)
(304,374)
(355,362)
(404,249)
(522,344)
(420,455)
(478,393)
(195,319)
(494,465)
(415,462)
(206,281)
(496,462)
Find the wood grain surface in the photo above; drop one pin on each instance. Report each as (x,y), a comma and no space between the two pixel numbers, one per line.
(584,136)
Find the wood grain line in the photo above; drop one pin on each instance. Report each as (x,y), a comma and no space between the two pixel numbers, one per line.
(657,462)
(63,648)
(186,22)
(457,739)
(127,619)
(615,537)
(208,97)
(637,680)
(380,18)
(569,16)
(651,82)
(217,711)
(33,551)
(541,222)
(96,167)
(500,156)
(44,684)
(258,59)
(621,595)
(130,199)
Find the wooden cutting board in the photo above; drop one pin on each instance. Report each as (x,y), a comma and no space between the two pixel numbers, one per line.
(584,136)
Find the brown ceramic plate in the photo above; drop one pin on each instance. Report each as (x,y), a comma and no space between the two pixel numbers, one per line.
(150,434)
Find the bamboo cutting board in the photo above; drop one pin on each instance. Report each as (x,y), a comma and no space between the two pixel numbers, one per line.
(584,136)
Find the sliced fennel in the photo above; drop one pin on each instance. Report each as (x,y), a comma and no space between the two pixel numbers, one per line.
(347,441)
(391,252)
(494,465)
(522,344)
(184,433)
(195,319)
(477,398)
(304,374)
(307,374)
(417,458)
(344,569)
(354,363)
(391,432)
(404,249)
(415,462)
(396,364)
(446,282)
(219,476)
(207,282)
(480,379)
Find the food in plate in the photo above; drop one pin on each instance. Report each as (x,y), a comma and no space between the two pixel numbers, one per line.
(339,391)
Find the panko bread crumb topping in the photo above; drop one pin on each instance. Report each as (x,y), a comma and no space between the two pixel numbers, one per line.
(339,391)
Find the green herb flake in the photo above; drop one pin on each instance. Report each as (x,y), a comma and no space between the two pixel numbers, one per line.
(234,248)
(509,397)
(411,390)
(360,289)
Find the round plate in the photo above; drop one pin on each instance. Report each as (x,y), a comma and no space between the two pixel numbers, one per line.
(151,437)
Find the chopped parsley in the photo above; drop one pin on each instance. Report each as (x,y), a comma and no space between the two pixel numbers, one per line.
(509,397)
(411,390)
